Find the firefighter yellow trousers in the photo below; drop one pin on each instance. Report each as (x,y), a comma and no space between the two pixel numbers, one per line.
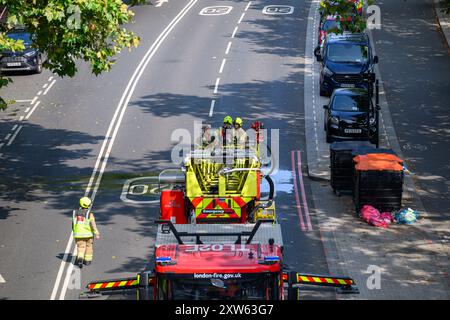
(85,248)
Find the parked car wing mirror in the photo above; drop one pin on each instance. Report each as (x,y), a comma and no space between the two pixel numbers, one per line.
(325,106)
(375,59)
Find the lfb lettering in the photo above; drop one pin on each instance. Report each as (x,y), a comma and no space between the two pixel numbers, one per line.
(374,280)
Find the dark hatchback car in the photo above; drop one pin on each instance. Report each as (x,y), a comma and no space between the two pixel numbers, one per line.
(29,59)
(350,116)
(346,60)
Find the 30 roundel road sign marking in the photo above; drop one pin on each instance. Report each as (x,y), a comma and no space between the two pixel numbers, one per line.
(215,11)
(278,9)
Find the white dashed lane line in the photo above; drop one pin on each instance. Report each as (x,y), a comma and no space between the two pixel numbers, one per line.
(242,17)
(32,110)
(216,87)
(248,5)
(211,109)
(28,111)
(234,32)
(222,65)
(228,48)
(49,87)
(14,136)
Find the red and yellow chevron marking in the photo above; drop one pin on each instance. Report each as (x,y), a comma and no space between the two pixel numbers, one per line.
(113,284)
(200,204)
(323,280)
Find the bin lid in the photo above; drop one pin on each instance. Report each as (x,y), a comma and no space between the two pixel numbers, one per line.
(378,156)
(378,161)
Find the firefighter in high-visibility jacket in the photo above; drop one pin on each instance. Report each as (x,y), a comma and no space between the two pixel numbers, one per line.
(84,229)
(240,137)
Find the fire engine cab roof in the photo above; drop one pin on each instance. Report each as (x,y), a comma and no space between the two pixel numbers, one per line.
(218,258)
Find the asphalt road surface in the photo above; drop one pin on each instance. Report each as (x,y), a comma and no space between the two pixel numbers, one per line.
(246,61)
(91,134)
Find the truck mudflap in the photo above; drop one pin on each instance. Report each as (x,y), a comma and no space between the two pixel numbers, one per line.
(344,285)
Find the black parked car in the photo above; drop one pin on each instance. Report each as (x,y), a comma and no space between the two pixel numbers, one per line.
(350,116)
(346,60)
(29,59)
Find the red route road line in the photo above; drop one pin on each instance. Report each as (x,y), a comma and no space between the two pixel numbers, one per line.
(297,198)
(302,185)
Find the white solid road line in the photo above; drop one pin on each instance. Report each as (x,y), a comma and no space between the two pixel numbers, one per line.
(242,17)
(49,87)
(120,111)
(14,136)
(211,110)
(2,280)
(32,110)
(25,100)
(216,87)
(228,48)
(34,100)
(234,32)
(222,65)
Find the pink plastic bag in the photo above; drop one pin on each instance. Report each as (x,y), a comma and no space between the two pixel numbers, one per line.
(387,216)
(368,212)
(373,217)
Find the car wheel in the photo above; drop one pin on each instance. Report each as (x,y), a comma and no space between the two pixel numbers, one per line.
(39,65)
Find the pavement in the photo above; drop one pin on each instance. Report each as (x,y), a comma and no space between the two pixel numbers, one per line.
(351,245)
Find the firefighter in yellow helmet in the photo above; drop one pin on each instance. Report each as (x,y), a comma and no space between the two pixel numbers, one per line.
(84,229)
(239,134)
(224,135)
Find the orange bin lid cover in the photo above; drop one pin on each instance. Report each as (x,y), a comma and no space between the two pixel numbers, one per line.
(380,161)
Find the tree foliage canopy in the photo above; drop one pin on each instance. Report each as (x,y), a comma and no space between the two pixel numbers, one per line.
(69,30)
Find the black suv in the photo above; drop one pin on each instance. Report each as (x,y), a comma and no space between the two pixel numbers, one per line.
(346,61)
(350,116)
(29,59)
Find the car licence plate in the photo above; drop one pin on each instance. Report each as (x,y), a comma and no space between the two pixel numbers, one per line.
(13,64)
(352,130)
(347,85)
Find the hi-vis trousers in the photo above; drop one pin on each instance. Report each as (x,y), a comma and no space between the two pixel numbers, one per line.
(85,248)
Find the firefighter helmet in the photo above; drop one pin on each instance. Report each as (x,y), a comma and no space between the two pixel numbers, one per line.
(228,120)
(85,202)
